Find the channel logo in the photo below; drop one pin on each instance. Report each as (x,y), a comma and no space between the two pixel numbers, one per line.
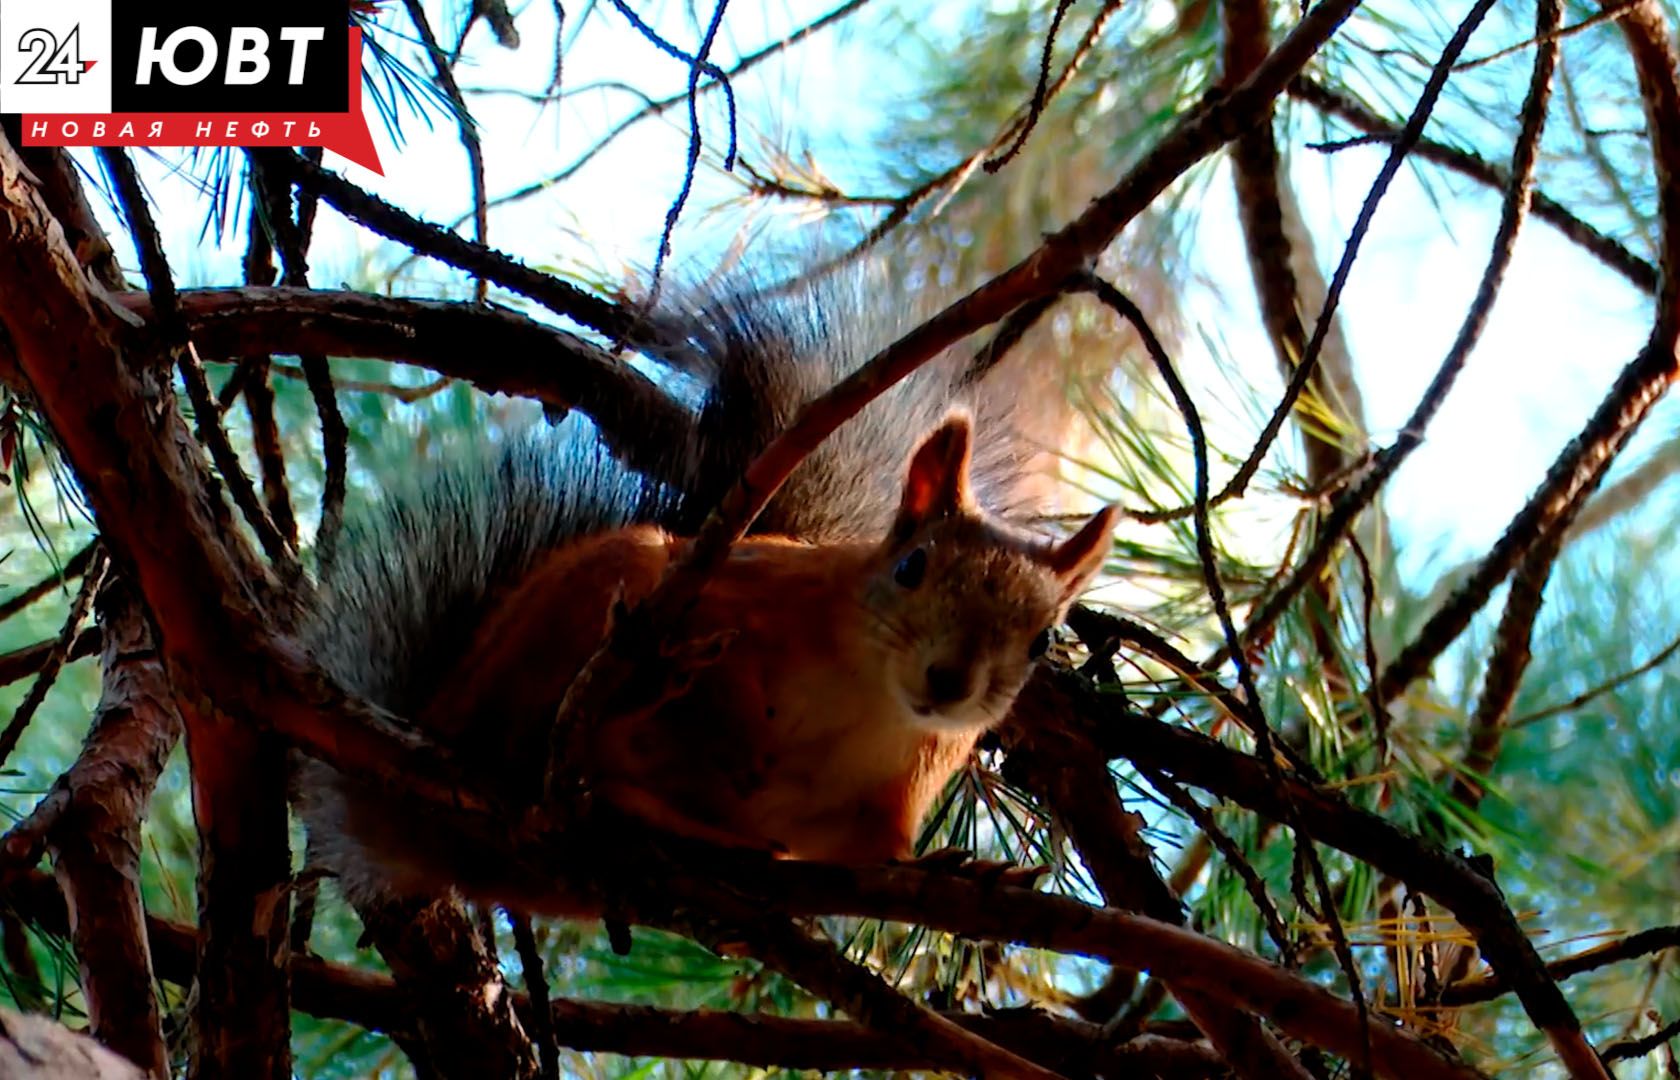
(113,72)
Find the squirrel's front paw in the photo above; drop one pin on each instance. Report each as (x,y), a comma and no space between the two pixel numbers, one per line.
(961,861)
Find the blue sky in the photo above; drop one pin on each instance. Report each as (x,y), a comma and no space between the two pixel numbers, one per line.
(1562,329)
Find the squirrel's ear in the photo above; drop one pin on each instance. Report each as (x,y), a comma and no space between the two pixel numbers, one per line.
(1078,558)
(938,482)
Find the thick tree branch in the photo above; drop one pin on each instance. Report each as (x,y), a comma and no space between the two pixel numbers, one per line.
(459,1008)
(93,816)
(242,1027)
(497,350)
(375,1002)
(61,189)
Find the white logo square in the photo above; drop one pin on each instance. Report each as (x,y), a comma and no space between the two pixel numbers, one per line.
(55,57)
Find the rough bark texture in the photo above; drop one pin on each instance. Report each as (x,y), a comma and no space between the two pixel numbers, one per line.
(462,1009)
(241,1026)
(95,841)
(1077,786)
(161,522)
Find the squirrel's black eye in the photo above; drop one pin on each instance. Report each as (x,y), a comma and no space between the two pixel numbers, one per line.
(911,569)
(1039,645)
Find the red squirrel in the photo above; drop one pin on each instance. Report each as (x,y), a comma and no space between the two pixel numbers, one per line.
(867,642)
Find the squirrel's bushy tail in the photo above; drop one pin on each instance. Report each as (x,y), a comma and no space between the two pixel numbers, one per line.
(763,353)
(415,570)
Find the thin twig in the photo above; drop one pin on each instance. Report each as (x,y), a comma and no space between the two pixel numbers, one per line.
(463,123)
(131,198)
(952,179)
(1035,108)
(1605,248)
(234,387)
(1614,11)
(372,212)
(1629,491)
(1580,468)
(1264,741)
(1402,145)
(1261,187)
(536,987)
(210,433)
(55,660)
(407,395)
(292,238)
(166,307)
(1095,627)
(1512,650)
(1234,858)
(30,659)
(1347,507)
(1634,1048)
(656,108)
(1609,686)
(696,64)
(73,568)
(335,439)
(1368,602)
(1631,947)
(254,370)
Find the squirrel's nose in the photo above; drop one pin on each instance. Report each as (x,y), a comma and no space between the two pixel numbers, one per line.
(946,683)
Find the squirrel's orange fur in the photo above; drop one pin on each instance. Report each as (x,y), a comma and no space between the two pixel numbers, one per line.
(853,679)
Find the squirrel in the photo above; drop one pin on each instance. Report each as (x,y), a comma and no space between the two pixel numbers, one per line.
(881,618)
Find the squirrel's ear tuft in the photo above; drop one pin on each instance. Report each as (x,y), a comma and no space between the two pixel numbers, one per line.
(1078,558)
(938,482)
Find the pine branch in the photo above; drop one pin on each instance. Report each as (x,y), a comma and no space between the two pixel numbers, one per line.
(499,351)
(1578,471)
(375,1002)
(372,212)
